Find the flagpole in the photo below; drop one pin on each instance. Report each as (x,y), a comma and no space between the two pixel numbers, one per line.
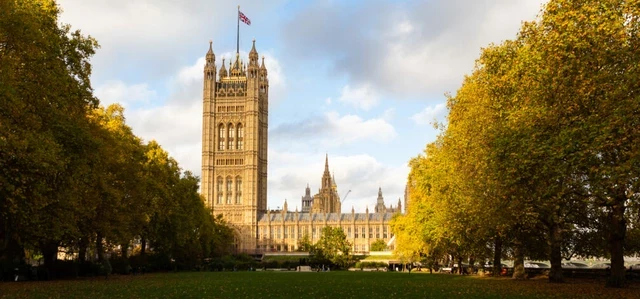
(238,37)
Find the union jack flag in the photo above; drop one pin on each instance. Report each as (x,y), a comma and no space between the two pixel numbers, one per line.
(244,18)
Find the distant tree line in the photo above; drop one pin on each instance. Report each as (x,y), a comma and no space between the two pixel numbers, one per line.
(540,155)
(72,173)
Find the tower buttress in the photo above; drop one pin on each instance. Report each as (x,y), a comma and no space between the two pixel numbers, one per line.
(208,126)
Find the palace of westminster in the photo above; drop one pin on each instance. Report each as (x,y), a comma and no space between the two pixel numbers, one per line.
(234,169)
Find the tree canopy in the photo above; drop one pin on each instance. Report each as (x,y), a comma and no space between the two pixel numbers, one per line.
(74,175)
(539,157)
(332,247)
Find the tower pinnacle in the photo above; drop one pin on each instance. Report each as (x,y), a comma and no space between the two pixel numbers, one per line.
(210,57)
(326,163)
(262,67)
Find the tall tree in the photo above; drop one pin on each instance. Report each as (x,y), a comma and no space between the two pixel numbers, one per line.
(333,246)
(44,133)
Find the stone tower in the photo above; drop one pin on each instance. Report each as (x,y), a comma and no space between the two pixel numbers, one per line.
(327,199)
(234,143)
(307,200)
(380,208)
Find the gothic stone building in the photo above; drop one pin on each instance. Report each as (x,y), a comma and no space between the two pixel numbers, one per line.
(234,169)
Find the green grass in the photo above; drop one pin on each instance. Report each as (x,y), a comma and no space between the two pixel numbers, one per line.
(308,285)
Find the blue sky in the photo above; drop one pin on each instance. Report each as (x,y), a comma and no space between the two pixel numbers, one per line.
(359,80)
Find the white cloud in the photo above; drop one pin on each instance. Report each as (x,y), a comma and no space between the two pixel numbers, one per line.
(117,91)
(328,101)
(430,114)
(192,74)
(362,96)
(408,50)
(152,36)
(403,28)
(332,130)
(277,81)
(350,128)
(290,172)
(389,114)
(177,128)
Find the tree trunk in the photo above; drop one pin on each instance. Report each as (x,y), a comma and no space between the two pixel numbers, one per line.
(616,242)
(143,246)
(497,256)
(10,248)
(518,261)
(555,244)
(50,254)
(99,247)
(82,250)
(472,266)
(124,250)
(460,269)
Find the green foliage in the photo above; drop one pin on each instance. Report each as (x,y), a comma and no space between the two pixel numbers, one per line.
(304,244)
(332,247)
(73,174)
(540,152)
(379,245)
(45,137)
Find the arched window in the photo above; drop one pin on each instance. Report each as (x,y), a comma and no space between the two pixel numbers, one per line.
(219,190)
(229,189)
(240,141)
(231,134)
(238,190)
(221,137)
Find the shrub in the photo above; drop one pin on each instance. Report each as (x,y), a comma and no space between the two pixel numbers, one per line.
(121,265)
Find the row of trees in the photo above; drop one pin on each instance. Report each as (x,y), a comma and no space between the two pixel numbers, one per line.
(540,157)
(72,173)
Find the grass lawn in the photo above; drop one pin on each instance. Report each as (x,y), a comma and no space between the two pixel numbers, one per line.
(336,284)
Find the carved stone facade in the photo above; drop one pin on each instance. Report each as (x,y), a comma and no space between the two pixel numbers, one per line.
(327,199)
(234,143)
(234,169)
(381,208)
(281,230)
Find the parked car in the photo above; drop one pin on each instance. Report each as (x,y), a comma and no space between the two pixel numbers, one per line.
(536,265)
(635,267)
(602,266)
(574,265)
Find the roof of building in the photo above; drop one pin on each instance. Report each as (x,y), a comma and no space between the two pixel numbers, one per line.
(321,217)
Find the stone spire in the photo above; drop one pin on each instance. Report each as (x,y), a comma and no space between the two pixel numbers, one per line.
(326,163)
(236,69)
(223,70)
(326,176)
(263,69)
(210,57)
(333,181)
(253,56)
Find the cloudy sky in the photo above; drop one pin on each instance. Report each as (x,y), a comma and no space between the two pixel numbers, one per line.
(359,80)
